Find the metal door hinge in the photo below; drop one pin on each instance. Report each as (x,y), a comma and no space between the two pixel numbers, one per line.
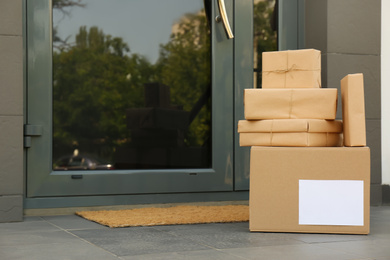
(29,131)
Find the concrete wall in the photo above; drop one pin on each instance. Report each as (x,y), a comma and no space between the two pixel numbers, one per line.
(11,110)
(348,33)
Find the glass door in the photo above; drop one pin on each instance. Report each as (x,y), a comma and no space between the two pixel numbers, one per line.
(129,97)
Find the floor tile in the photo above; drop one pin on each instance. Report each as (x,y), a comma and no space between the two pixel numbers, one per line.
(187,255)
(33,218)
(223,236)
(290,252)
(71,237)
(57,251)
(366,248)
(28,226)
(70,222)
(35,238)
(137,241)
(324,238)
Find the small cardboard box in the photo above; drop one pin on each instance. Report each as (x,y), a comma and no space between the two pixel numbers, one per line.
(352,99)
(310,190)
(291,69)
(290,103)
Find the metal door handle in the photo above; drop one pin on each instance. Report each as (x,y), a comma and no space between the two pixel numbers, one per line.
(225,20)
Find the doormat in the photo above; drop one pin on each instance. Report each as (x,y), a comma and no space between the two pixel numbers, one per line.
(177,215)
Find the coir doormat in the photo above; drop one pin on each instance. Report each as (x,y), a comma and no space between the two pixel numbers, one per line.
(168,216)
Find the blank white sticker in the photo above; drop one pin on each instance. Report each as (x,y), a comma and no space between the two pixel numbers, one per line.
(331,202)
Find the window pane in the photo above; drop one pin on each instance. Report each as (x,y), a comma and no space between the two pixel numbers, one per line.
(265,25)
(131,84)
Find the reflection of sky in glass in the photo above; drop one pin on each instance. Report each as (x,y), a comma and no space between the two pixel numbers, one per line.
(143,24)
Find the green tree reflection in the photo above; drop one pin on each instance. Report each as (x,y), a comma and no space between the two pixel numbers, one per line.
(94,82)
(185,66)
(97,79)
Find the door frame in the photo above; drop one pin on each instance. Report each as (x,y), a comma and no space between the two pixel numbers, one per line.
(42,181)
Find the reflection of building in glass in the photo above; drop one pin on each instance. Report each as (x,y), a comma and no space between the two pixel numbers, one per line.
(158,135)
(190,22)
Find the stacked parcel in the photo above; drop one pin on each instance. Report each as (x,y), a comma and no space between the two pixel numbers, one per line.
(304,176)
(291,109)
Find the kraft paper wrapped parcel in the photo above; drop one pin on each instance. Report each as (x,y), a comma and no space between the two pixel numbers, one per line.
(291,132)
(291,69)
(352,99)
(290,103)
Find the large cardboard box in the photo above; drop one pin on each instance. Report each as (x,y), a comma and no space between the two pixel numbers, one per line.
(352,99)
(310,190)
(291,69)
(290,103)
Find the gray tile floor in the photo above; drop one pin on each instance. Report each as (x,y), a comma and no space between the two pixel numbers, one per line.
(71,237)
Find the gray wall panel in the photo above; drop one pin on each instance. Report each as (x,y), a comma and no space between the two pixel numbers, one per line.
(324,65)
(354,26)
(316,25)
(11,208)
(373,129)
(376,198)
(339,65)
(11,75)
(11,110)
(11,144)
(11,17)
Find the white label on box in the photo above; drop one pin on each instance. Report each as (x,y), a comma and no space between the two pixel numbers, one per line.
(331,202)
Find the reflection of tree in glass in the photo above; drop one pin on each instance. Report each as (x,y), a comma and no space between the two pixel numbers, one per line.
(92,88)
(184,65)
(64,6)
(96,79)
(265,37)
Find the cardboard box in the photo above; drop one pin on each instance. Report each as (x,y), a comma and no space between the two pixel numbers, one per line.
(310,190)
(291,139)
(352,99)
(291,69)
(290,126)
(290,103)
